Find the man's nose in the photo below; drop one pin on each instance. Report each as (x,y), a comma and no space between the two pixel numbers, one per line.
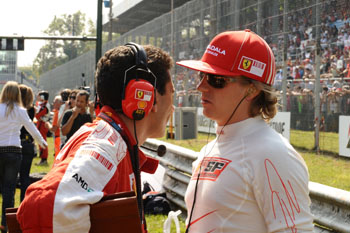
(202,85)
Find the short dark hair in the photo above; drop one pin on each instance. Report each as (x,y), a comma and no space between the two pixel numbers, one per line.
(109,78)
(65,94)
(84,93)
(44,94)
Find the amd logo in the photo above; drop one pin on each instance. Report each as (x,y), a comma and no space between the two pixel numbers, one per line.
(82,183)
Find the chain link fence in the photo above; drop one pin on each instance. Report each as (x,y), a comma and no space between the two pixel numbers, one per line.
(310,40)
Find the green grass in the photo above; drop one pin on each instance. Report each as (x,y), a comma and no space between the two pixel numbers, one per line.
(193,144)
(328,167)
(328,170)
(305,140)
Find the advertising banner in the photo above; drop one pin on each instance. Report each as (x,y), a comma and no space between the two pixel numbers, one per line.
(344,136)
(281,123)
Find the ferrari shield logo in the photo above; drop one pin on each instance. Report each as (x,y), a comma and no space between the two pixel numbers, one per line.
(246,63)
(252,66)
(139,94)
(143,95)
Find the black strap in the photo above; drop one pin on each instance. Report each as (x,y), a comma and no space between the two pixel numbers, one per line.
(134,157)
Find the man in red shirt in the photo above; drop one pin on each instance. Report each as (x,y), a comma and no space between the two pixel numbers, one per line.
(42,115)
(135,89)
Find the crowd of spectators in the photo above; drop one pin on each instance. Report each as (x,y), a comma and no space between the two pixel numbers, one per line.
(301,67)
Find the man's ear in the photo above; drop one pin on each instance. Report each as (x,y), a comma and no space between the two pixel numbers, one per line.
(252,92)
(155,105)
(154,108)
(253,95)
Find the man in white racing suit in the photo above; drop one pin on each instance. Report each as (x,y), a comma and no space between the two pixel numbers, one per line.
(249,178)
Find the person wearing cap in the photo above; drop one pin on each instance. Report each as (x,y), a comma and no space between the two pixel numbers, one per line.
(97,160)
(249,178)
(43,115)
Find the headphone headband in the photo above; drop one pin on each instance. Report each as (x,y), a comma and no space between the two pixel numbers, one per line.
(139,53)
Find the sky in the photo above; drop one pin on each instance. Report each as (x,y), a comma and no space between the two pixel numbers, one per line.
(32,17)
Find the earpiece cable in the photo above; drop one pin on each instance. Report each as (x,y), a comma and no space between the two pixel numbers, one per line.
(200,166)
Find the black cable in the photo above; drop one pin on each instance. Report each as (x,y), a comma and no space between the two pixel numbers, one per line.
(233,113)
(135,134)
(195,189)
(200,166)
(136,169)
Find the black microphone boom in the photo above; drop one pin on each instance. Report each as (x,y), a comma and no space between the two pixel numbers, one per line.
(161,150)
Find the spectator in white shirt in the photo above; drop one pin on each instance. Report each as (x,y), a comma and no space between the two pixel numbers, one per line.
(12,117)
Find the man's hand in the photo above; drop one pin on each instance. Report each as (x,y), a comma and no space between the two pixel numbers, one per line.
(53,128)
(47,125)
(43,144)
(76,112)
(91,105)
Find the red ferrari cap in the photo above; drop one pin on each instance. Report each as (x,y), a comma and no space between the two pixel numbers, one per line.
(235,53)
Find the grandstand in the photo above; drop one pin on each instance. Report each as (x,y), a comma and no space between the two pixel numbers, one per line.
(294,29)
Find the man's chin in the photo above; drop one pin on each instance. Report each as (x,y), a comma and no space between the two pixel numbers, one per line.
(158,134)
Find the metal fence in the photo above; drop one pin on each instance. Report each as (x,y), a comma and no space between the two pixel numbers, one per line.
(330,206)
(295,30)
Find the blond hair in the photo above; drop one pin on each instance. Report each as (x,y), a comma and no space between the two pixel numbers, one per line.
(10,95)
(265,103)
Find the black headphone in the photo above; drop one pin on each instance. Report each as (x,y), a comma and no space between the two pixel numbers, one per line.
(138,95)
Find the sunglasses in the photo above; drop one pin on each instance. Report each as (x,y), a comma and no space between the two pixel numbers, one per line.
(72,97)
(216,81)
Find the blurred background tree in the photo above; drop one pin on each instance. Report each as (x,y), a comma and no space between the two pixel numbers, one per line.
(57,52)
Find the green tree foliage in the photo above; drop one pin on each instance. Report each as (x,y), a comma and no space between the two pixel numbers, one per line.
(57,52)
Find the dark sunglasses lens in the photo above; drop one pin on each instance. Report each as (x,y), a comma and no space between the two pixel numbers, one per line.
(216,81)
(72,97)
(213,80)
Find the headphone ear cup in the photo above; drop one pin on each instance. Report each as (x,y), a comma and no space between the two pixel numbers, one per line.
(138,99)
